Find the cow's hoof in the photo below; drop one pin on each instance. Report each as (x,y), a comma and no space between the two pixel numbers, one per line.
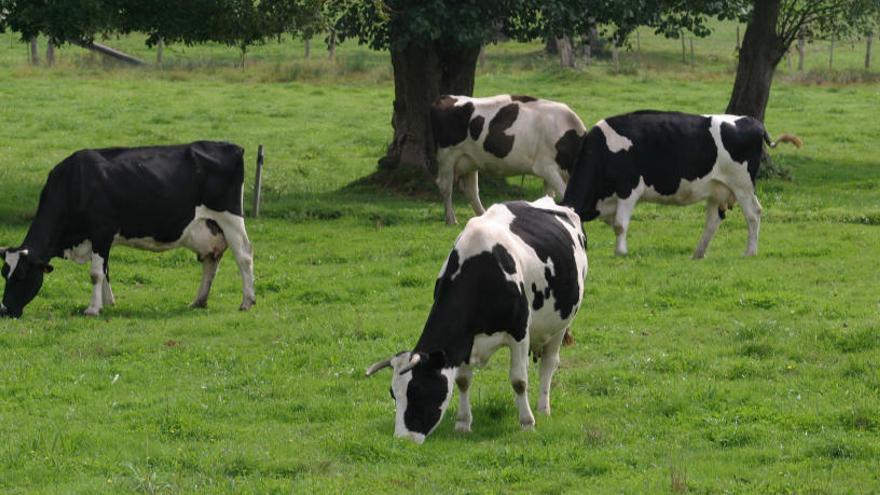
(750,253)
(697,256)
(544,410)
(92,311)
(528,426)
(247,304)
(199,303)
(462,427)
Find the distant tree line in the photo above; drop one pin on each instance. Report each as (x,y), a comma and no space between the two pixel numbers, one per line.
(434,45)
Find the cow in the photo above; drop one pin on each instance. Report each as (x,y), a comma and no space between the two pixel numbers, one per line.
(153,198)
(502,135)
(670,158)
(513,279)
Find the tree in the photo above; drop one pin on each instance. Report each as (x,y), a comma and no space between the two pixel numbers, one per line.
(239,23)
(434,47)
(772,27)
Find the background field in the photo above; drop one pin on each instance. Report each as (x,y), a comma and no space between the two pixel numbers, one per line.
(724,375)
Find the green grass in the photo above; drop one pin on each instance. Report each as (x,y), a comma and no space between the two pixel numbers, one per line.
(725,375)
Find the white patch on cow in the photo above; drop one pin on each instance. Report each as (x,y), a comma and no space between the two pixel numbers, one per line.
(12,258)
(613,140)
(97,274)
(81,253)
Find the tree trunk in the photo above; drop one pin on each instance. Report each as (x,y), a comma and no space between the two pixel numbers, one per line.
(481,58)
(868,42)
(761,51)
(550,46)
(307,48)
(615,58)
(160,51)
(801,45)
(422,72)
(50,53)
(693,58)
(35,53)
(737,37)
(831,54)
(566,51)
(331,46)
(684,59)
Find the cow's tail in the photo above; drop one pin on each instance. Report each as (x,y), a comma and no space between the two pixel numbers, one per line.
(785,138)
(568,338)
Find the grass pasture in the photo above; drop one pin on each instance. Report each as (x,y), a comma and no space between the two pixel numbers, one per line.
(727,375)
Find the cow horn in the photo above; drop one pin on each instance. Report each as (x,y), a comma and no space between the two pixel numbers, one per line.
(385,363)
(413,361)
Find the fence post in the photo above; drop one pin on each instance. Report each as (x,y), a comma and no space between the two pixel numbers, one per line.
(258,182)
(868,42)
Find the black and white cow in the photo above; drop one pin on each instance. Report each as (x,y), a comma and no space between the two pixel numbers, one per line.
(502,135)
(670,158)
(153,198)
(514,279)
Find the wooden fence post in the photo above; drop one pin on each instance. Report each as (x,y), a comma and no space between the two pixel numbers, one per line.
(258,182)
(684,59)
(868,42)
(307,46)
(331,46)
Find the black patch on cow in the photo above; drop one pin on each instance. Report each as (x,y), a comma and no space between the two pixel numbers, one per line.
(505,260)
(537,298)
(721,213)
(567,148)
(667,147)
(743,140)
(476,127)
(497,142)
(213,227)
(449,123)
(425,394)
(519,387)
(480,300)
(552,242)
(135,192)
(523,98)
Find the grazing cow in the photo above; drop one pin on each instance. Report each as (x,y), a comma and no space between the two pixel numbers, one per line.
(514,279)
(670,158)
(153,198)
(502,135)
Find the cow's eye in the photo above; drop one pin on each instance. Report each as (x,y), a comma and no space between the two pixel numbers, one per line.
(391,391)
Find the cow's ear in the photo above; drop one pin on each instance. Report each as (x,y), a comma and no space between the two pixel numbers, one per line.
(3,251)
(47,268)
(437,360)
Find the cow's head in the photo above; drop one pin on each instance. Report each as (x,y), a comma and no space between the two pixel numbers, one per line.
(24,277)
(421,386)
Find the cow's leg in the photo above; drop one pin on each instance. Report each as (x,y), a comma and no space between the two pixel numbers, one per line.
(470,186)
(752,211)
(624,212)
(713,220)
(554,184)
(107,292)
(237,240)
(97,274)
(519,380)
(445,180)
(210,263)
(549,363)
(463,378)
